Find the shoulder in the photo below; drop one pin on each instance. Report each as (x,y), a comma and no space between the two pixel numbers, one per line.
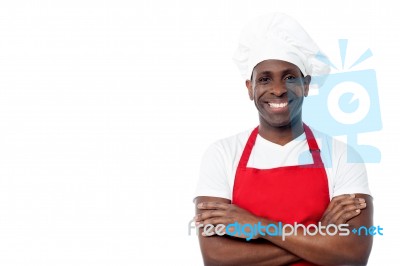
(217,166)
(335,149)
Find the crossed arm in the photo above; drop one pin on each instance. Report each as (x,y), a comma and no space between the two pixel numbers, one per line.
(272,250)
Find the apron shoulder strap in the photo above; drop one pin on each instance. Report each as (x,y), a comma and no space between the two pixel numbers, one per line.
(313,146)
(248,148)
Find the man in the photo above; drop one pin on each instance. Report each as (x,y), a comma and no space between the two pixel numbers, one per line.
(282,172)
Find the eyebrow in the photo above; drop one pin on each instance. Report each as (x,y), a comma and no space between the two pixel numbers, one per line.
(283,72)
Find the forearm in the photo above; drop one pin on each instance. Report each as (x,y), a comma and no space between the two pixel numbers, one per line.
(319,248)
(326,249)
(225,250)
(329,249)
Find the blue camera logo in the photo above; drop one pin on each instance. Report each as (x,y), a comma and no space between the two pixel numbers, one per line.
(347,104)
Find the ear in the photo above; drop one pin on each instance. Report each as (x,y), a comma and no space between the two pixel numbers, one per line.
(249,86)
(306,83)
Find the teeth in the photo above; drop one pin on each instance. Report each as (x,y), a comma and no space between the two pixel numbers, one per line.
(278,105)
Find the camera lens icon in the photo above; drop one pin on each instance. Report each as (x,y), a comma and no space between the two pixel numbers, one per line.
(348,103)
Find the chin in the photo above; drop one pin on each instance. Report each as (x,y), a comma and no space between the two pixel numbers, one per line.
(278,123)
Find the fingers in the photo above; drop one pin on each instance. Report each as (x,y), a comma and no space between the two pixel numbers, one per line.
(208,215)
(342,209)
(337,199)
(345,215)
(215,221)
(359,203)
(335,202)
(213,213)
(211,221)
(211,205)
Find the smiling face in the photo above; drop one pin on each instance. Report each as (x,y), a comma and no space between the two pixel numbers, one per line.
(277,89)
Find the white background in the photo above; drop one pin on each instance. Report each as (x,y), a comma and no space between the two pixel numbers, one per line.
(106,108)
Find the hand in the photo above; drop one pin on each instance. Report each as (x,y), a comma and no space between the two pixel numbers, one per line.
(343,208)
(224,213)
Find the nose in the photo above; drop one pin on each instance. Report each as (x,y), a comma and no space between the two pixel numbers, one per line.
(279,89)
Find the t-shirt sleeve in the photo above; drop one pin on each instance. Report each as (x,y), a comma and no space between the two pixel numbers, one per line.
(351,175)
(213,177)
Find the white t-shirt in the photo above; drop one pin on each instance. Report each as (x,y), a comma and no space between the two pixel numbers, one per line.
(219,163)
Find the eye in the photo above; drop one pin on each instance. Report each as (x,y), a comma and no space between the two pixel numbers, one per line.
(264,80)
(291,79)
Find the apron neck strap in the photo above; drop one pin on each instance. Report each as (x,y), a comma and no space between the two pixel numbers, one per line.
(312,145)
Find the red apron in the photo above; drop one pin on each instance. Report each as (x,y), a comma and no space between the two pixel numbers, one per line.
(284,194)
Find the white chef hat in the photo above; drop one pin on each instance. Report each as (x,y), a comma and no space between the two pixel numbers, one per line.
(278,36)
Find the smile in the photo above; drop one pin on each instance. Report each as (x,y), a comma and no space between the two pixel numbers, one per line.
(278,105)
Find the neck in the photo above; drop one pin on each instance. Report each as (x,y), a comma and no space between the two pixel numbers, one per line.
(281,135)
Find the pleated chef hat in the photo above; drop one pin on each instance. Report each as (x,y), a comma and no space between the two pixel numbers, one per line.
(278,36)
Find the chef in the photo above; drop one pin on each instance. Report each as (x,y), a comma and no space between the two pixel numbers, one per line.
(282,172)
